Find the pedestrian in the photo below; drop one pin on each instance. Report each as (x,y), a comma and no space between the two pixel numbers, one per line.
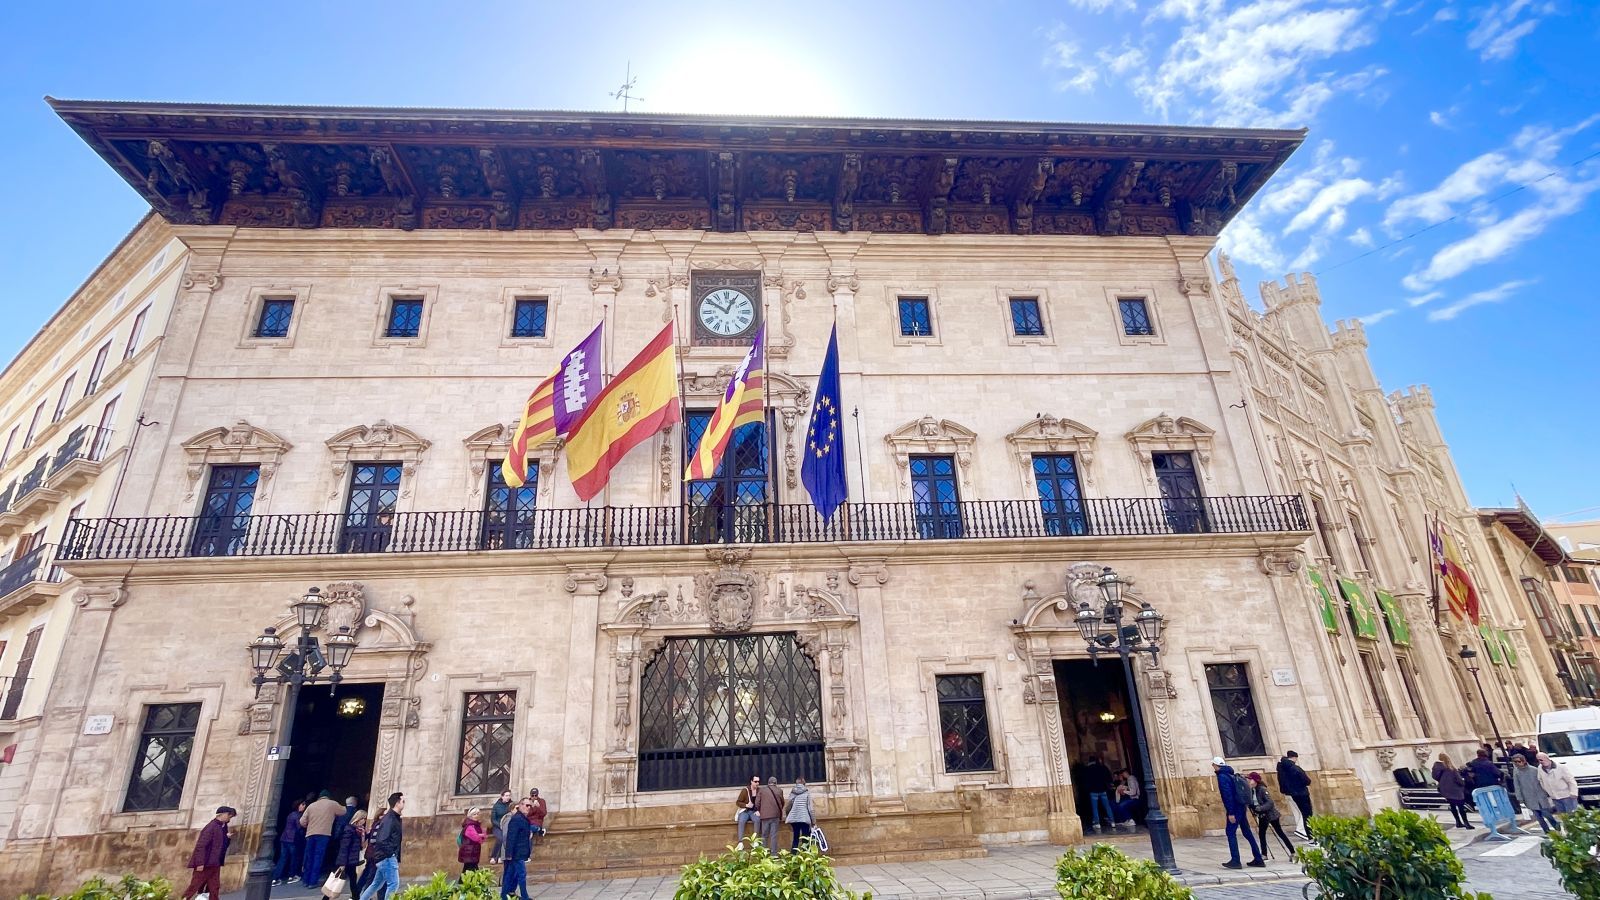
(291,841)
(1127,799)
(1235,792)
(1453,788)
(497,815)
(1525,779)
(388,836)
(537,810)
(210,848)
(318,822)
(799,814)
(516,850)
(1484,772)
(746,814)
(370,870)
(1558,783)
(1267,815)
(1097,784)
(1294,783)
(347,855)
(469,843)
(769,806)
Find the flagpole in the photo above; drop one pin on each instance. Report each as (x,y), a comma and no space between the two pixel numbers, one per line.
(1433,567)
(683,422)
(767,431)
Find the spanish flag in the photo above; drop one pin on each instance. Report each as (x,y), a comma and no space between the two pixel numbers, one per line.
(640,401)
(744,403)
(1456,584)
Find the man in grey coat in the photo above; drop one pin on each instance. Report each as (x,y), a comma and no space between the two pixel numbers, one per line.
(1525,779)
(769,806)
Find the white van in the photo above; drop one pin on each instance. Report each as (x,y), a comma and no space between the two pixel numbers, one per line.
(1572,736)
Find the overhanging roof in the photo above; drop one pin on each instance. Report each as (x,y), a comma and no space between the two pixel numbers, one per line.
(342,167)
(1527,530)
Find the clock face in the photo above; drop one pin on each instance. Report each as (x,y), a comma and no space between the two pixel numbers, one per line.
(727,312)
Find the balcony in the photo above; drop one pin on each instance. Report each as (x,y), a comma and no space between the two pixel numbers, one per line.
(12,688)
(76,462)
(31,579)
(322,534)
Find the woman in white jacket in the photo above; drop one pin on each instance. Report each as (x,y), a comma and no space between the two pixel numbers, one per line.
(1557,781)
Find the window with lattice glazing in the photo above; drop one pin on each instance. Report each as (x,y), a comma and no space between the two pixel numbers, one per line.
(730,506)
(1235,707)
(964,724)
(1135,316)
(508,512)
(276,314)
(529,316)
(166,743)
(1026,321)
(405,317)
(488,720)
(916,317)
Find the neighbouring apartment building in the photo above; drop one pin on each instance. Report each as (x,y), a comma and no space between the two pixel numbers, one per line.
(1041,377)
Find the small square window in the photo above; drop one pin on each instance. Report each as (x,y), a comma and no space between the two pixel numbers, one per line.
(276,313)
(1025,318)
(916,318)
(405,317)
(1135,316)
(530,317)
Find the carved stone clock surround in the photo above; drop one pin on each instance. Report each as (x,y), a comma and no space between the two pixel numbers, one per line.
(705,281)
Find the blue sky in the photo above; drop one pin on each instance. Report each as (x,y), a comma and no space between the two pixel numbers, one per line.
(1440,195)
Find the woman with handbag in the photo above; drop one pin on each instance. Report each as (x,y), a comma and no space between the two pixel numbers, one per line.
(347,857)
(1267,815)
(469,842)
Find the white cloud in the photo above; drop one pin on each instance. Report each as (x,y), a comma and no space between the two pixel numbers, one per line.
(1375,318)
(1330,205)
(1122,63)
(1429,297)
(1494,240)
(1493,295)
(1078,72)
(1361,237)
(1246,241)
(1502,25)
(1447,14)
(1100,6)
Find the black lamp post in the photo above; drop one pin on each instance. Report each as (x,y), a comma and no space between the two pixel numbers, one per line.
(1104,632)
(303,664)
(1467,655)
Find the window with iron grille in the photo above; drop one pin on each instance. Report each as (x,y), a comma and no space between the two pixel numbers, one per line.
(529,316)
(508,512)
(488,720)
(1135,316)
(1026,321)
(713,711)
(166,744)
(964,724)
(276,314)
(1235,708)
(405,317)
(916,317)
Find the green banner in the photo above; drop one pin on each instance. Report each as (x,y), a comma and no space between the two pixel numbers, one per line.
(1362,616)
(1330,615)
(1511,650)
(1399,631)
(1492,644)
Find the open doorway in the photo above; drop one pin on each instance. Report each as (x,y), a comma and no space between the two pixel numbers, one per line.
(1095,721)
(335,744)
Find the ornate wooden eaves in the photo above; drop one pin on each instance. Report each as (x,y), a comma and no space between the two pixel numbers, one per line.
(300,167)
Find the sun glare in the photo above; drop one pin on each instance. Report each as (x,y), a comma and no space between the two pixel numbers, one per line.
(769,81)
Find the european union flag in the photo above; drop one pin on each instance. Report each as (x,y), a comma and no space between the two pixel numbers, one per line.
(823,468)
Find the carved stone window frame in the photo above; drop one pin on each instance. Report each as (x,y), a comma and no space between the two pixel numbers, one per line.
(929,435)
(259,294)
(240,444)
(1050,434)
(892,294)
(493,443)
(391,292)
(379,442)
(1170,434)
(1259,672)
(928,670)
(131,716)
(550,293)
(457,686)
(1152,308)
(1004,294)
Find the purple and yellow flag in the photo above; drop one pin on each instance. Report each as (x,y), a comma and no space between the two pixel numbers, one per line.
(744,402)
(555,405)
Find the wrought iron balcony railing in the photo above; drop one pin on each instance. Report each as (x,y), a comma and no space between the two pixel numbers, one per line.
(37,565)
(316,534)
(86,443)
(11,689)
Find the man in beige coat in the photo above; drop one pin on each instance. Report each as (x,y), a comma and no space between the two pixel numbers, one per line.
(318,820)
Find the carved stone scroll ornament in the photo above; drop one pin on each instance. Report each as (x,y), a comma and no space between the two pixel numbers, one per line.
(1423,753)
(1165,434)
(1386,756)
(347,607)
(1280,563)
(378,441)
(238,444)
(1047,434)
(931,435)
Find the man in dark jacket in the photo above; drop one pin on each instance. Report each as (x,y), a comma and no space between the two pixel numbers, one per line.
(1097,784)
(1484,772)
(1233,802)
(385,850)
(209,851)
(515,849)
(1296,785)
(769,806)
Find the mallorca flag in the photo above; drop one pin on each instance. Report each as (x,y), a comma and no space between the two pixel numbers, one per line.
(555,405)
(640,401)
(745,402)
(1454,582)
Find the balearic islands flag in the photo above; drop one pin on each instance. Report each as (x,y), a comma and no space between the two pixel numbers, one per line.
(555,405)
(744,402)
(1454,582)
(640,401)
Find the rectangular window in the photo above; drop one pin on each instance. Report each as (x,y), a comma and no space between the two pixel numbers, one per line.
(1329,548)
(276,314)
(1577,630)
(1360,538)
(1541,611)
(1408,676)
(1235,707)
(98,369)
(1025,318)
(33,425)
(405,317)
(1593,615)
(162,762)
(1135,316)
(488,720)
(507,511)
(935,500)
(370,510)
(11,440)
(19,678)
(964,724)
(1574,575)
(730,506)
(1375,684)
(64,399)
(134,335)
(529,316)
(108,415)
(916,317)
(1055,475)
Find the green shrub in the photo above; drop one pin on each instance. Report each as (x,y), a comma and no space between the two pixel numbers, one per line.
(126,888)
(1568,851)
(754,874)
(479,884)
(1106,873)
(1395,855)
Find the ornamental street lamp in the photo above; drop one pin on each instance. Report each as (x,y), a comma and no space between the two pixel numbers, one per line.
(303,664)
(1467,655)
(1104,632)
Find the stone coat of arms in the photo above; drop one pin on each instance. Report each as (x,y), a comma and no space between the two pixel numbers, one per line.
(731,594)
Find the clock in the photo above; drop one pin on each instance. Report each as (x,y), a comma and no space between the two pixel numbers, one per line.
(726,312)
(724,307)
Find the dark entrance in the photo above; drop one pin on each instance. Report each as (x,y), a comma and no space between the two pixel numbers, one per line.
(1096,720)
(335,744)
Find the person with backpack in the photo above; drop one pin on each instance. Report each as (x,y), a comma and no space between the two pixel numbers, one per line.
(1236,794)
(469,841)
(1266,813)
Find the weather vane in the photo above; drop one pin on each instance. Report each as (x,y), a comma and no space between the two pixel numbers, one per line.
(628,84)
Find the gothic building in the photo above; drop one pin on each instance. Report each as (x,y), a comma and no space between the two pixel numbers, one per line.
(1041,378)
